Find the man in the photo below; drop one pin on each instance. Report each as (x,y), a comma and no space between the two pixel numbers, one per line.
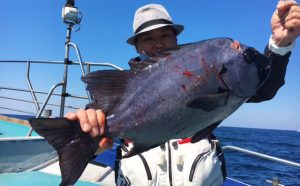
(180,162)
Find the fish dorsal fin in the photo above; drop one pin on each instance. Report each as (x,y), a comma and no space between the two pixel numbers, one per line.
(146,60)
(209,102)
(136,65)
(167,52)
(107,87)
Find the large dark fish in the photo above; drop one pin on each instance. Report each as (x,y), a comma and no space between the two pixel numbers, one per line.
(189,89)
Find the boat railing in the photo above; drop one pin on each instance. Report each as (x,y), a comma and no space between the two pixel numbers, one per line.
(260,155)
(63,84)
(274,181)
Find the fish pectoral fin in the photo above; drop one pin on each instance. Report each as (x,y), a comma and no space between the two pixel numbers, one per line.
(138,149)
(74,147)
(107,87)
(209,102)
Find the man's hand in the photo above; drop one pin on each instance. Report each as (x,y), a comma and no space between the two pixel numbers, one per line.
(285,22)
(93,122)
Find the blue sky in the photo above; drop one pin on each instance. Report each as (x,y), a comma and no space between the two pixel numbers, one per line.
(33,29)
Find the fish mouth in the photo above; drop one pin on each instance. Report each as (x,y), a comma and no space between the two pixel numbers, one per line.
(223,87)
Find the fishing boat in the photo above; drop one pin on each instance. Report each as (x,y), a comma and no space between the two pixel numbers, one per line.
(25,157)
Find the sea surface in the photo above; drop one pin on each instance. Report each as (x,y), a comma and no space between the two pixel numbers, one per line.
(255,171)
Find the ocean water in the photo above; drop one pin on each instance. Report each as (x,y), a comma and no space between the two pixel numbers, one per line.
(252,170)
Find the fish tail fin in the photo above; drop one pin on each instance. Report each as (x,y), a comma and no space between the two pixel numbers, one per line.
(74,147)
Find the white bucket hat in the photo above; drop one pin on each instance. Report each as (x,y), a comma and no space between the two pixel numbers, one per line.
(150,17)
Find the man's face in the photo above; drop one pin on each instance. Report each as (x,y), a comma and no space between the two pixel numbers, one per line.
(155,40)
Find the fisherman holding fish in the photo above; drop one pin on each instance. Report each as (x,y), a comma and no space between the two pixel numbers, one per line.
(178,161)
